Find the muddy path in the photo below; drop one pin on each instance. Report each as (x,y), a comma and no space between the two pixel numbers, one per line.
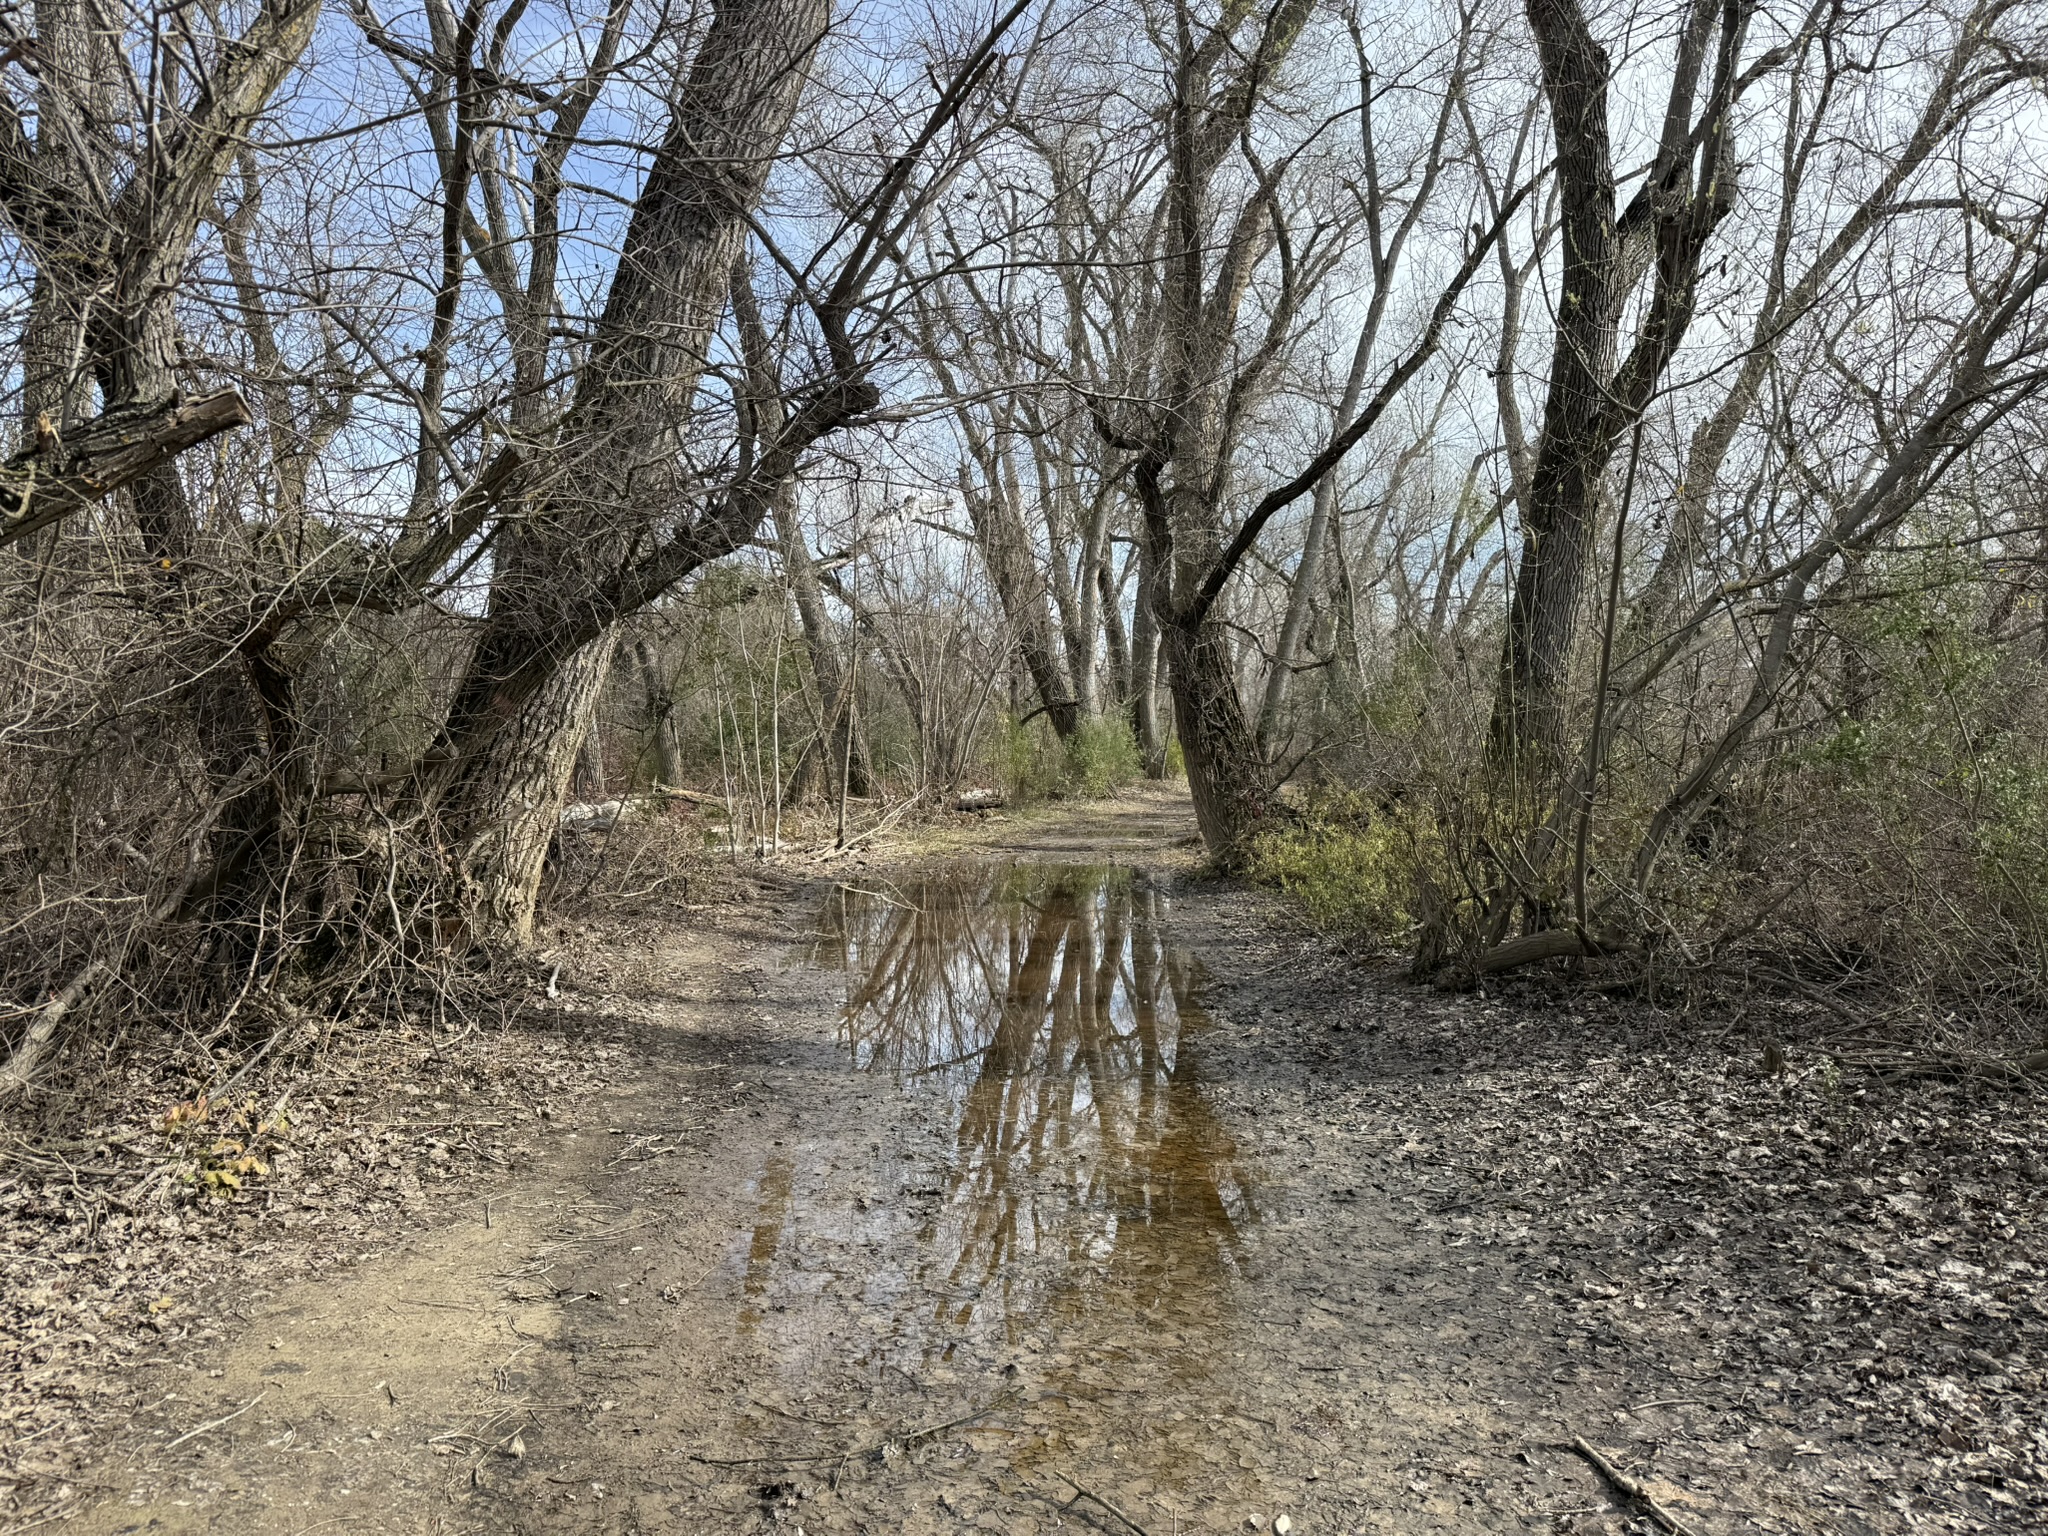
(1019,1181)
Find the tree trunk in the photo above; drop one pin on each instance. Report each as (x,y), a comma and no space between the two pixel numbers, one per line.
(1225,772)
(661,725)
(1590,402)
(514,795)
(1578,437)
(828,668)
(501,767)
(1299,596)
(1013,570)
(1092,583)
(1116,644)
(1144,683)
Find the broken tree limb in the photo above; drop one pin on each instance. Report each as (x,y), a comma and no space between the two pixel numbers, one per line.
(1528,948)
(56,476)
(888,820)
(1631,1490)
(27,1054)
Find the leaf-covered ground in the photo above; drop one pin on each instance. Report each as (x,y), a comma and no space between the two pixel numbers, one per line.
(1817,1276)
(120,1267)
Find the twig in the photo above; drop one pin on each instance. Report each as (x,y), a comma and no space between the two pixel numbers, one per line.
(1630,1489)
(906,1441)
(801,1418)
(1674,1402)
(216,1424)
(1081,1492)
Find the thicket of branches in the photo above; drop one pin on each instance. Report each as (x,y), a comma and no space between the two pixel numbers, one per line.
(1560,480)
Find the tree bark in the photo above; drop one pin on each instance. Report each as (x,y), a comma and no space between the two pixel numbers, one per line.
(1281,672)
(1225,773)
(1116,644)
(836,725)
(660,706)
(1144,683)
(1571,457)
(513,797)
(1591,401)
(1013,570)
(59,471)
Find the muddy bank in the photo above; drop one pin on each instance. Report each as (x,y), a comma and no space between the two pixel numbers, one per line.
(1023,1180)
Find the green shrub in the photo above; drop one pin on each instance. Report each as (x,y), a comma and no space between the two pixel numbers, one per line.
(1353,866)
(1098,759)
(1028,760)
(1102,757)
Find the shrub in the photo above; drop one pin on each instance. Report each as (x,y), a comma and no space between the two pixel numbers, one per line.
(1355,867)
(1029,761)
(1098,759)
(1102,756)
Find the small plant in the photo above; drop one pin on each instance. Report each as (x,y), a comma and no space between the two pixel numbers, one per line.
(222,1148)
(1028,758)
(1102,757)
(1098,759)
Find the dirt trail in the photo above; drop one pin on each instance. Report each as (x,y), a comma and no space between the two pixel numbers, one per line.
(815,1273)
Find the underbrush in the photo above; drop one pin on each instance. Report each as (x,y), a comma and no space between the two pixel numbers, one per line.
(1890,856)
(1357,867)
(1100,758)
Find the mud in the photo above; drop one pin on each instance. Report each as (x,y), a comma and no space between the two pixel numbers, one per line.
(1009,1186)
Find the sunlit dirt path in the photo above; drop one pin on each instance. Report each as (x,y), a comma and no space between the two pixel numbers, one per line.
(963,1190)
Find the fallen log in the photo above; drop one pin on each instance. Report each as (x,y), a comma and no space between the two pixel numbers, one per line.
(980,800)
(583,816)
(1528,948)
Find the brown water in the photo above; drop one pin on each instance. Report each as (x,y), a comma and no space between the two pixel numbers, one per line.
(1049,1213)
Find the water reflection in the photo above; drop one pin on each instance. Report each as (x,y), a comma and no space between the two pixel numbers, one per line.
(1039,1011)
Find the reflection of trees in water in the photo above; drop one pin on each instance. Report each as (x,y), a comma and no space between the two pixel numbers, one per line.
(1063,1031)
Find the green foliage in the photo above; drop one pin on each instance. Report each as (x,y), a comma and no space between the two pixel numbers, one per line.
(1355,867)
(1100,758)
(1028,759)
(1937,763)
(1396,701)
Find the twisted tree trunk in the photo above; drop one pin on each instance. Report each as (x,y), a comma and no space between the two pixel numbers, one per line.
(514,793)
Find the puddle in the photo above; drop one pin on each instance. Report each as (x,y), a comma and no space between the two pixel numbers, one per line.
(1056,1196)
